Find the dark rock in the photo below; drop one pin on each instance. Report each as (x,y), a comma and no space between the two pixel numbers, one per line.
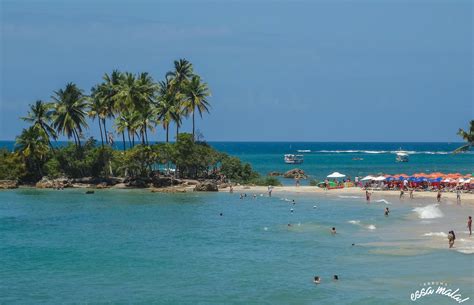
(295,173)
(8,184)
(206,186)
(274,174)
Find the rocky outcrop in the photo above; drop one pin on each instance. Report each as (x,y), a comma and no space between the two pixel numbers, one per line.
(274,174)
(295,173)
(61,182)
(206,186)
(165,181)
(8,184)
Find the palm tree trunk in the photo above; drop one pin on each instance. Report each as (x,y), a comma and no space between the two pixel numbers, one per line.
(194,139)
(123,140)
(101,136)
(177,132)
(167,132)
(129,140)
(105,132)
(143,136)
(146,136)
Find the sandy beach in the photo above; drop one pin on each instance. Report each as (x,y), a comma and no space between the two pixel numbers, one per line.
(376,194)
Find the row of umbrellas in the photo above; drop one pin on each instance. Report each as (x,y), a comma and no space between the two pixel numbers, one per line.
(418,177)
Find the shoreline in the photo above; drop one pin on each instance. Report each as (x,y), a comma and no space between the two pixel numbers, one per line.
(466,198)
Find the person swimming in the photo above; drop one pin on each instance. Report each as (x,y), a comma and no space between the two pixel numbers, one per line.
(293,201)
(333,230)
(317,280)
(336,277)
(291,210)
(386,211)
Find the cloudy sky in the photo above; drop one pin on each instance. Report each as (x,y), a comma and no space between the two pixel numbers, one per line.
(278,70)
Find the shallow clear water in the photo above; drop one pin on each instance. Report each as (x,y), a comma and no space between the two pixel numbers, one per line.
(133,246)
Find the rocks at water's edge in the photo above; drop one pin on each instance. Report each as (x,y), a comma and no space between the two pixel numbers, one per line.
(274,174)
(206,186)
(295,173)
(8,184)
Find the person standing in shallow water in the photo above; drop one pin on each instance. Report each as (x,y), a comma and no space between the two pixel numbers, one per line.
(401,193)
(367,196)
(451,238)
(469,225)
(411,193)
(386,211)
(438,197)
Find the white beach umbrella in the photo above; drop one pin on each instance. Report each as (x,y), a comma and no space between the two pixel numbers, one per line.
(336,175)
(447,180)
(461,180)
(380,178)
(366,178)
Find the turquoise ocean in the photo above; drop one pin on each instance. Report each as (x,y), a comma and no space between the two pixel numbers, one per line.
(138,247)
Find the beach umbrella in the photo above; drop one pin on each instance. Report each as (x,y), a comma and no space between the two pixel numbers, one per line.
(379,178)
(336,175)
(447,180)
(412,178)
(401,178)
(390,179)
(366,178)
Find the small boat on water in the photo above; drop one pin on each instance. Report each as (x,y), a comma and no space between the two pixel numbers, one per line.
(293,159)
(402,156)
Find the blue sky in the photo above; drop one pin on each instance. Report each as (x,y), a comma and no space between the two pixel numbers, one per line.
(278,70)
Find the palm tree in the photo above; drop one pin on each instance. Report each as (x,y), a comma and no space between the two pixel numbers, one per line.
(98,110)
(196,93)
(167,107)
(121,125)
(183,71)
(33,146)
(69,114)
(467,136)
(40,115)
(105,93)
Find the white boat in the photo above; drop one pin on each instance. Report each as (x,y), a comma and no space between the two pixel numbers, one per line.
(304,150)
(293,159)
(402,156)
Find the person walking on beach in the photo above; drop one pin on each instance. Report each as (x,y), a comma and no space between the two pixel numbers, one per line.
(438,197)
(411,193)
(231,189)
(387,211)
(401,193)
(458,195)
(297,183)
(451,238)
(270,189)
(469,225)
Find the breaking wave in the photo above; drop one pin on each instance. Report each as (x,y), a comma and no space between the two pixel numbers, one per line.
(429,212)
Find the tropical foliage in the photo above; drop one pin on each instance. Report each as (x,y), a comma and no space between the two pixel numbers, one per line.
(467,136)
(135,105)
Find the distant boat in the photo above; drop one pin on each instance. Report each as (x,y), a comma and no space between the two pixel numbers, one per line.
(304,150)
(293,159)
(357,159)
(402,156)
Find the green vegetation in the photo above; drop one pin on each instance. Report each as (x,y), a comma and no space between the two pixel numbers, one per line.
(137,106)
(467,136)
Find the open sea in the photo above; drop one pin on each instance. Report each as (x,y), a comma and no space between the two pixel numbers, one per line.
(138,247)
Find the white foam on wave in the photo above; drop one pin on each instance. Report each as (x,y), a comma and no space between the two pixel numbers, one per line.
(351,197)
(354,222)
(410,152)
(358,223)
(429,212)
(436,234)
(371,227)
(384,201)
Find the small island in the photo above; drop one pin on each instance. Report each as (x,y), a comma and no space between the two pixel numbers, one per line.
(138,106)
